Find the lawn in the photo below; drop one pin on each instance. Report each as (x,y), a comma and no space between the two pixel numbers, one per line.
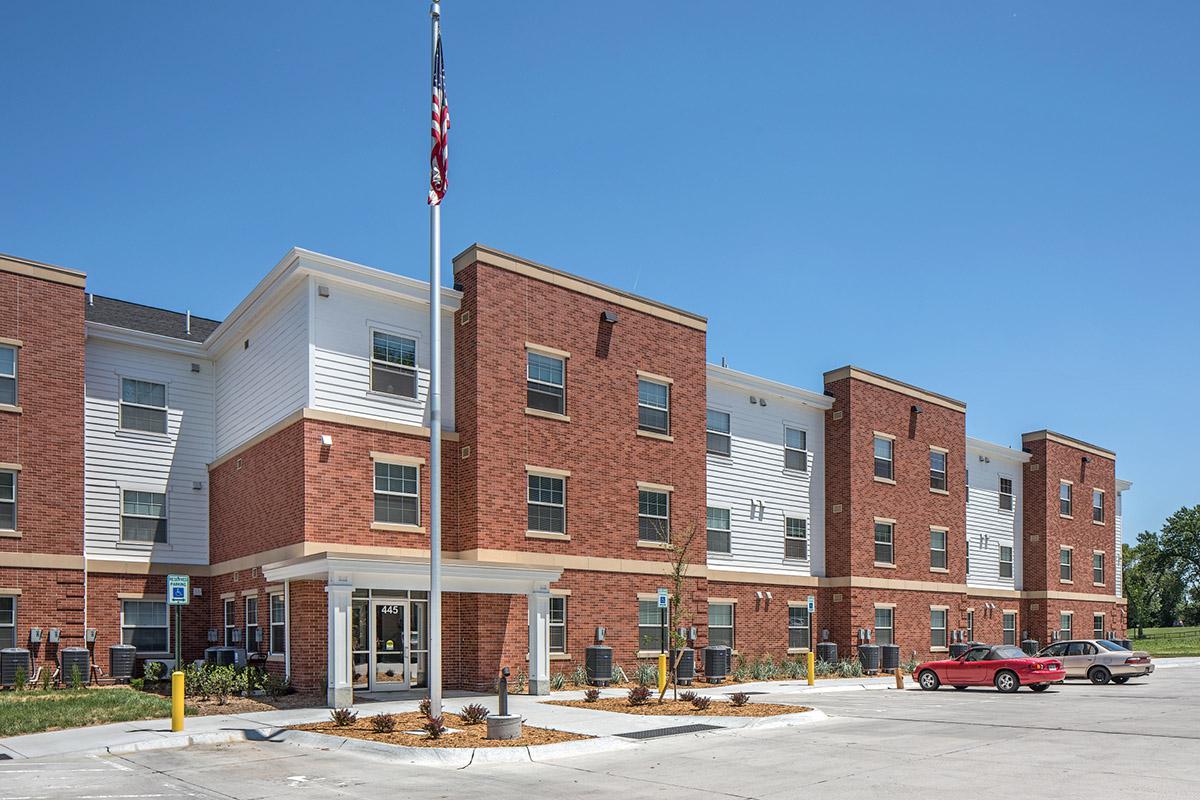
(1167,642)
(35,710)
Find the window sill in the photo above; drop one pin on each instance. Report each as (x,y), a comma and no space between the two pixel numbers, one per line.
(5,408)
(649,654)
(1100,585)
(888,481)
(560,656)
(1066,516)
(662,437)
(939,649)
(10,534)
(940,570)
(134,433)
(721,553)
(557,537)
(387,397)
(884,565)
(794,651)
(396,527)
(795,560)
(939,491)
(654,545)
(276,658)
(1100,523)
(537,412)
(1064,580)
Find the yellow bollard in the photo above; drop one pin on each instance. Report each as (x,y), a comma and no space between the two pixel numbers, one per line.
(899,678)
(812,668)
(662,672)
(176,701)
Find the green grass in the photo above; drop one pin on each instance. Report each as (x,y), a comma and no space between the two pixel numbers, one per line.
(32,711)
(1168,642)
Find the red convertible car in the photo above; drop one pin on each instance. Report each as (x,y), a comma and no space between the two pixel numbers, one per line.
(1004,666)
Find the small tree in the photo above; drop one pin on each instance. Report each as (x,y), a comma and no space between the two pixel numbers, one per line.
(677,610)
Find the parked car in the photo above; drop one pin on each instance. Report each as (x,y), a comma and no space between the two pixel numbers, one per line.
(1004,666)
(1100,660)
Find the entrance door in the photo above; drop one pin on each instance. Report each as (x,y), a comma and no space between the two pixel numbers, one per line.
(389,645)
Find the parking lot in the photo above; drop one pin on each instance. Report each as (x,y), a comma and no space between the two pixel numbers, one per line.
(1078,740)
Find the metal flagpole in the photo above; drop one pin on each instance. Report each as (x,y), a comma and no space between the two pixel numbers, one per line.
(435,430)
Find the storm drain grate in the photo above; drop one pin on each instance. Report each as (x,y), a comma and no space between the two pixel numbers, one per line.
(655,733)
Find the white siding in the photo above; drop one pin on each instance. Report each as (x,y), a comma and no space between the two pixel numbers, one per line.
(168,463)
(343,323)
(988,526)
(758,491)
(1117,554)
(263,383)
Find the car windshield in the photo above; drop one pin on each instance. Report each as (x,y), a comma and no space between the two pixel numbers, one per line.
(1005,651)
(1113,646)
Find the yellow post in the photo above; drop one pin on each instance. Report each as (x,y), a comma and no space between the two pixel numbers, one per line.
(899,678)
(176,701)
(662,672)
(812,668)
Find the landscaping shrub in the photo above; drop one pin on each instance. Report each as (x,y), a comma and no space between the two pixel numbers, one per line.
(343,717)
(739,699)
(153,671)
(579,676)
(474,713)
(687,696)
(221,681)
(557,681)
(639,696)
(425,706)
(618,675)
(383,723)
(434,727)
(764,670)
(701,703)
(521,682)
(846,668)
(591,695)
(645,675)
(137,684)
(76,677)
(20,679)
(276,685)
(795,668)
(47,677)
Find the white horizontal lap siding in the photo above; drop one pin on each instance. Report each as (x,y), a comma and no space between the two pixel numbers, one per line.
(261,384)
(173,462)
(344,322)
(753,474)
(989,527)
(1118,562)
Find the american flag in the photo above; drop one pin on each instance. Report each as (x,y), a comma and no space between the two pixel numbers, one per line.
(441,127)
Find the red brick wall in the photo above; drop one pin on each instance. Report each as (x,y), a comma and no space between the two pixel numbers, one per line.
(1044,619)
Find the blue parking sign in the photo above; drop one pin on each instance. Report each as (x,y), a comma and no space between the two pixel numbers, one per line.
(178,590)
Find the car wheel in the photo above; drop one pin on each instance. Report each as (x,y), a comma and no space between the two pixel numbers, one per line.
(1120,678)
(960,688)
(928,680)
(1040,687)
(1099,676)
(1007,681)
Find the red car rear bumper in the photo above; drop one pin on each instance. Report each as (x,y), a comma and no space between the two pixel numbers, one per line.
(1044,676)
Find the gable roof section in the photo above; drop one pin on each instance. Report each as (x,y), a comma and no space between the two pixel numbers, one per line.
(147,319)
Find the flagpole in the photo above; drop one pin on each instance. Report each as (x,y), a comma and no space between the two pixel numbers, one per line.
(435,433)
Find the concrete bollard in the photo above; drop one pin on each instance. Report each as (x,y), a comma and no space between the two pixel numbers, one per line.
(503,725)
(176,701)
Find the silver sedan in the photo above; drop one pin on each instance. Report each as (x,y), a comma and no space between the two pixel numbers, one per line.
(1100,660)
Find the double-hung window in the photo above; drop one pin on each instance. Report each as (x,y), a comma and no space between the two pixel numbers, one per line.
(795,538)
(937,548)
(397,499)
(1064,625)
(1006,561)
(230,622)
(650,629)
(799,632)
(8,622)
(1064,563)
(143,406)
(717,430)
(278,643)
(393,364)
(937,627)
(8,375)
(795,449)
(1064,499)
(252,623)
(884,451)
(545,383)
(1006,494)
(718,530)
(654,406)
(1097,626)
(884,551)
(558,624)
(654,515)
(720,624)
(1097,567)
(971,625)
(547,499)
(144,625)
(143,516)
(1009,623)
(1097,505)
(937,470)
(884,624)
(968,551)
(8,500)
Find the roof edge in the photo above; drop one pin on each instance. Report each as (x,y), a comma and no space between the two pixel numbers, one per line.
(1068,441)
(875,379)
(46,272)
(998,450)
(787,391)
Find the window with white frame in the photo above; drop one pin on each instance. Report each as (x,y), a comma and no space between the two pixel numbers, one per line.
(1097,626)
(720,624)
(1006,561)
(1009,624)
(795,449)
(1064,563)
(393,364)
(8,500)
(884,448)
(1065,620)
(545,382)
(884,551)
(971,625)
(558,624)
(252,623)
(230,622)
(8,622)
(937,549)
(1097,505)
(799,632)
(1006,494)
(8,375)
(718,530)
(654,515)
(143,406)
(278,643)
(1097,567)
(795,538)
(547,500)
(397,497)
(650,627)
(718,439)
(144,625)
(937,470)
(1064,499)
(884,625)
(654,406)
(143,516)
(968,552)
(937,627)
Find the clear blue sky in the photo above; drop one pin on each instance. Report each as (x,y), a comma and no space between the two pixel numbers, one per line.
(997,201)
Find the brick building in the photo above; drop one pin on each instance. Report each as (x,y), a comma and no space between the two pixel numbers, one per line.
(279,457)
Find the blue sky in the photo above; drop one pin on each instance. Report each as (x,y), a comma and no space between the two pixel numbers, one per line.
(995,201)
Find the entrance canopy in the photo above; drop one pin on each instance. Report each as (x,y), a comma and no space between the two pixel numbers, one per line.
(413,573)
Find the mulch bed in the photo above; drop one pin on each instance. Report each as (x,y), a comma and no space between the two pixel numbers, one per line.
(681,708)
(250,705)
(466,735)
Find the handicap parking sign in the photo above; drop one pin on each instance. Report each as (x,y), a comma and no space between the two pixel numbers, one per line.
(178,593)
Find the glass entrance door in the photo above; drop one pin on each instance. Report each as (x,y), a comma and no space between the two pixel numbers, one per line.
(389,640)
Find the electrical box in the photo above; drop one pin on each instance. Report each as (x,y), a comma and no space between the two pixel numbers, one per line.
(54,636)
(235,635)
(89,635)
(212,634)
(600,634)
(257,634)
(35,635)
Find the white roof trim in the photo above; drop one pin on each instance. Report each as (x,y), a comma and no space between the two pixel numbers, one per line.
(116,333)
(413,573)
(1124,485)
(996,450)
(743,380)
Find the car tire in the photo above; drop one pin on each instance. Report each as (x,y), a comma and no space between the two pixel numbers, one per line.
(1120,678)
(1006,681)
(1099,675)
(960,688)
(1040,687)
(928,680)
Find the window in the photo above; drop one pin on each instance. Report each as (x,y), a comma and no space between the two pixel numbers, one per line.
(720,624)
(278,642)
(396,499)
(143,406)
(393,364)
(654,516)
(8,501)
(884,625)
(883,458)
(1006,562)
(252,623)
(1009,624)
(971,626)
(937,549)
(144,625)
(143,516)
(883,543)
(1097,626)
(795,538)
(546,388)
(8,622)
(1006,494)
(1064,625)
(1097,567)
(654,406)
(230,622)
(718,530)
(558,624)
(967,483)
(968,542)
(1097,505)
(799,632)
(937,627)
(937,470)
(8,375)
(650,627)
(795,449)
(547,497)
(717,429)
(1064,499)
(1064,563)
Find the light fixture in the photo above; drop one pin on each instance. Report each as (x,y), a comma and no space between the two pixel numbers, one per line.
(758,595)
(322,290)
(609,317)
(769,596)
(916,409)
(326,440)
(1087,460)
